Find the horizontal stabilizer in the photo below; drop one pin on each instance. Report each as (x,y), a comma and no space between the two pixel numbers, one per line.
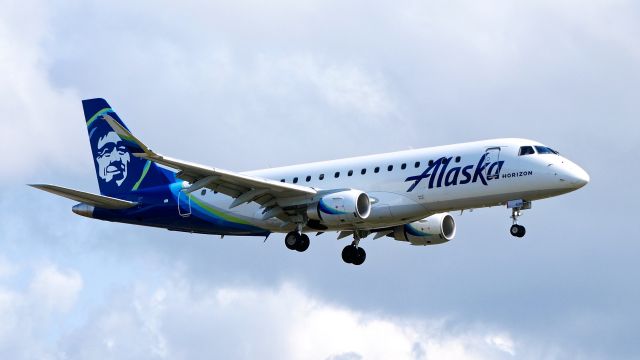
(100,201)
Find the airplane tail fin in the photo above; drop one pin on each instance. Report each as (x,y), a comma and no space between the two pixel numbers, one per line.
(120,173)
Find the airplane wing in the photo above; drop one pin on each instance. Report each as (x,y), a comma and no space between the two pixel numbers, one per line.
(272,195)
(101,201)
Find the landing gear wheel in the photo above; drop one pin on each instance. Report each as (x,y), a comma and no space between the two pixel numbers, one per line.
(514,230)
(291,240)
(353,255)
(303,243)
(517,230)
(349,254)
(361,255)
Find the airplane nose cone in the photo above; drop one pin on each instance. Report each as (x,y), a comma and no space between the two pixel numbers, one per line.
(582,178)
(577,177)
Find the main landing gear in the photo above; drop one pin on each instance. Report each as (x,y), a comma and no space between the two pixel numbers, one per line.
(354,254)
(351,254)
(296,241)
(516,206)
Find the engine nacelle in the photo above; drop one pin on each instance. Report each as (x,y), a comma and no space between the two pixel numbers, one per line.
(340,207)
(435,229)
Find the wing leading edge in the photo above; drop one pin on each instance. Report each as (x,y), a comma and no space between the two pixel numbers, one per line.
(272,195)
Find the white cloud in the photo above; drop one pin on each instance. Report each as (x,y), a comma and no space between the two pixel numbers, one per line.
(412,64)
(6,268)
(343,86)
(55,290)
(181,319)
(8,303)
(502,342)
(37,120)
(31,315)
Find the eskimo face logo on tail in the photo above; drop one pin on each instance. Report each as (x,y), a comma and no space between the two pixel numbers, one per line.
(439,176)
(116,168)
(112,158)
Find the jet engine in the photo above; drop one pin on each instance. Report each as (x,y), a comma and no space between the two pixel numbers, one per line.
(435,229)
(348,206)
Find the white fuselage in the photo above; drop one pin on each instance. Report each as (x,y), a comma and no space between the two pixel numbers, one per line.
(409,185)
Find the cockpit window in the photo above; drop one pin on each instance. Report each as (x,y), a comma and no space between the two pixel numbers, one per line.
(526,150)
(545,150)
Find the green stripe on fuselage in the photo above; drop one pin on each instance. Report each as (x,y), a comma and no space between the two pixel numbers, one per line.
(218,213)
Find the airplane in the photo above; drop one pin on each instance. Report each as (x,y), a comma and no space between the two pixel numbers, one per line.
(405,195)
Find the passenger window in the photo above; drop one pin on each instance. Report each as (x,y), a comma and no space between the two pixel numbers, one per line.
(403,166)
(430,163)
(458,159)
(281,180)
(321,177)
(417,164)
(376,170)
(363,171)
(337,174)
(526,150)
(390,167)
(308,178)
(203,192)
(350,173)
(295,180)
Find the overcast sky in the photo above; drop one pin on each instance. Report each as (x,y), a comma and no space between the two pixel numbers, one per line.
(253,84)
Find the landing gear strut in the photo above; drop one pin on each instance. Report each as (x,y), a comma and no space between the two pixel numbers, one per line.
(516,206)
(296,241)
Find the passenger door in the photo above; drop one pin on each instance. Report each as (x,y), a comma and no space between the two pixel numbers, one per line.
(493,156)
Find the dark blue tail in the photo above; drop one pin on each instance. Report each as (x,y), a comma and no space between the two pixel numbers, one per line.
(120,173)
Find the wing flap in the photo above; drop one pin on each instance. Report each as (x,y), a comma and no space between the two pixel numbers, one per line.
(100,201)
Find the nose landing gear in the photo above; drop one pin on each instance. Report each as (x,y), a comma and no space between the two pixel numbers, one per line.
(516,206)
